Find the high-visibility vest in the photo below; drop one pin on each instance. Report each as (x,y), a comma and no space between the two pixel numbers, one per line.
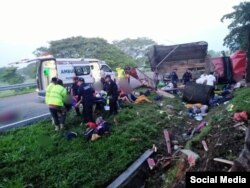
(48,90)
(120,73)
(57,96)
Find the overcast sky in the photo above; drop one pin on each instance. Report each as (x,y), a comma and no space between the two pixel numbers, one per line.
(28,24)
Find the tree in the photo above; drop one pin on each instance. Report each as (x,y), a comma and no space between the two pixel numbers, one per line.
(10,75)
(29,71)
(137,48)
(239,36)
(41,51)
(80,47)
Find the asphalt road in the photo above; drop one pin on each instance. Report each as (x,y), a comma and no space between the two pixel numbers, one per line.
(25,106)
(29,105)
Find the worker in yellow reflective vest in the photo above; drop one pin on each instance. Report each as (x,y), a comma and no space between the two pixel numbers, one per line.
(48,89)
(55,102)
(121,76)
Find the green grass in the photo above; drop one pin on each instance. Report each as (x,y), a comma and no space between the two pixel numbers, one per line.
(9,93)
(241,100)
(38,156)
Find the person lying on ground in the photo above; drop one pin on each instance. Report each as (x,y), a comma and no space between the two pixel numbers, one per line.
(123,97)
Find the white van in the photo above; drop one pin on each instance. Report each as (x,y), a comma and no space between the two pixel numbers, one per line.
(66,69)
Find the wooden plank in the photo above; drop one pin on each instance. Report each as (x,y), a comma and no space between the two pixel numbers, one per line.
(167,139)
(118,182)
(224,161)
(165,94)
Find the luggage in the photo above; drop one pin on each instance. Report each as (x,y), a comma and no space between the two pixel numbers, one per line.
(88,133)
(198,93)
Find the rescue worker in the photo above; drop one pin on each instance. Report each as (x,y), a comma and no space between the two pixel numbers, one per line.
(112,92)
(86,96)
(55,102)
(49,87)
(74,93)
(187,77)
(121,76)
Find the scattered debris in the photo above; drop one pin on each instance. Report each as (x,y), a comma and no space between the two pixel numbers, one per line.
(204,145)
(200,126)
(198,117)
(95,137)
(230,107)
(243,128)
(238,124)
(151,163)
(154,148)
(240,116)
(70,135)
(165,164)
(242,163)
(224,161)
(165,94)
(167,139)
(176,147)
(135,139)
(170,106)
(175,142)
(115,121)
(192,157)
(180,113)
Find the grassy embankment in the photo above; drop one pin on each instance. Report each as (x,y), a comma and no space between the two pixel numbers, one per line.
(40,157)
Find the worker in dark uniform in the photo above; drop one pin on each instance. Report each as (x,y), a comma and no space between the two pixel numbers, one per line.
(86,97)
(174,79)
(187,77)
(112,91)
(74,93)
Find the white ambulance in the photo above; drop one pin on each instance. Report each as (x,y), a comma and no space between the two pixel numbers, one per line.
(65,69)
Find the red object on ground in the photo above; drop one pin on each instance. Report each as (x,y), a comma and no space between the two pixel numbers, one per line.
(91,125)
(200,126)
(167,139)
(240,116)
(239,63)
(151,163)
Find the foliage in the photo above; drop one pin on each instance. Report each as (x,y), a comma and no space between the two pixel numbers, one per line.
(9,93)
(239,27)
(137,48)
(80,47)
(9,75)
(241,100)
(37,156)
(29,71)
(41,51)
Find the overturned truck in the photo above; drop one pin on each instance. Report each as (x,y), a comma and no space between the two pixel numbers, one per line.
(192,56)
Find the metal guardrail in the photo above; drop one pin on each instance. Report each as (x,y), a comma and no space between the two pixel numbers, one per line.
(130,172)
(17,86)
(24,122)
